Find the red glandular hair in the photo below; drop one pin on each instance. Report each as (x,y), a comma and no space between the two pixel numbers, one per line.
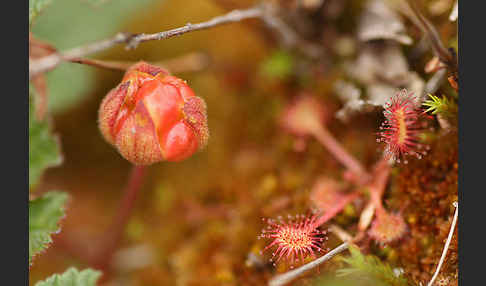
(297,237)
(401,128)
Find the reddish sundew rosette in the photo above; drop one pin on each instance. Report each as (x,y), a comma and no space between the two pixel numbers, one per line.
(401,129)
(152,116)
(387,227)
(304,116)
(297,237)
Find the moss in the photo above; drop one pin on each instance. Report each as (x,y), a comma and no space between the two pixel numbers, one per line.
(426,189)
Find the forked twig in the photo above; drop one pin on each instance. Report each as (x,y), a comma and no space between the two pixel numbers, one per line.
(264,11)
(132,40)
(412,11)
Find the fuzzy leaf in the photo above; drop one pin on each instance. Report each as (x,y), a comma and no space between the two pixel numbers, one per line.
(370,267)
(36,7)
(44,151)
(44,214)
(72,277)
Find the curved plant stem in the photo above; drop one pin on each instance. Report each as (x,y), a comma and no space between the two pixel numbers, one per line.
(335,148)
(339,206)
(446,246)
(291,275)
(125,210)
(377,188)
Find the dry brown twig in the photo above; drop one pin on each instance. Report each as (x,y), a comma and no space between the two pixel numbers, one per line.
(133,40)
(409,8)
(286,277)
(265,11)
(446,245)
(194,61)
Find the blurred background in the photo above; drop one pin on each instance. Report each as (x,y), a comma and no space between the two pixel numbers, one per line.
(196,222)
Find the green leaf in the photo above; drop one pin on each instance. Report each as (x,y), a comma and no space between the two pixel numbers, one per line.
(370,267)
(36,7)
(328,280)
(96,3)
(44,215)
(44,151)
(72,277)
(70,83)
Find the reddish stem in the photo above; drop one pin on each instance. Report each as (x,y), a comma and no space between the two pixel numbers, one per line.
(123,215)
(339,206)
(377,188)
(343,156)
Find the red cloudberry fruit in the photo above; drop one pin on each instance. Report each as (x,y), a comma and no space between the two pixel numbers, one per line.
(152,116)
(401,129)
(298,237)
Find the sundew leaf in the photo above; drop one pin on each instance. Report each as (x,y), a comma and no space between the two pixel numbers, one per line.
(36,7)
(45,213)
(72,277)
(44,150)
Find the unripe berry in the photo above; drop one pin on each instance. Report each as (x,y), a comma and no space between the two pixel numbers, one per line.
(152,116)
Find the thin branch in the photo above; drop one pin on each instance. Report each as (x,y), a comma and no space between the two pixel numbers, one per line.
(412,11)
(282,279)
(49,62)
(194,61)
(233,16)
(265,11)
(111,65)
(290,38)
(132,40)
(446,246)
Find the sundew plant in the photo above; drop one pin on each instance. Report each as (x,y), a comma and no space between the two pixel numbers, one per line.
(214,142)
